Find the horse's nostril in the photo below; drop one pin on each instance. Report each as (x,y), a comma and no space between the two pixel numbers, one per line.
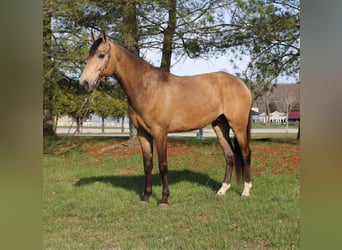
(85,84)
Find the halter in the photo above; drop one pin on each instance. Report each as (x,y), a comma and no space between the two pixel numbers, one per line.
(88,100)
(105,65)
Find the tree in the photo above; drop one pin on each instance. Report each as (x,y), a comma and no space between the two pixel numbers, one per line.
(182,28)
(267,91)
(169,33)
(288,100)
(119,110)
(69,99)
(62,60)
(106,106)
(267,31)
(139,24)
(102,107)
(131,38)
(62,103)
(48,70)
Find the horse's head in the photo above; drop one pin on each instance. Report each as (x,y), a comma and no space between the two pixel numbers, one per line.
(98,62)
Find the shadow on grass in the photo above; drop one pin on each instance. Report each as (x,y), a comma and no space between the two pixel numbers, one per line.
(136,182)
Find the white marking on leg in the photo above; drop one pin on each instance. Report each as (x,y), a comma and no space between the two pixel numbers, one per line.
(223,189)
(247,188)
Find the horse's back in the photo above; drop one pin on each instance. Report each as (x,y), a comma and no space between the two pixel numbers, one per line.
(230,93)
(225,85)
(211,79)
(195,101)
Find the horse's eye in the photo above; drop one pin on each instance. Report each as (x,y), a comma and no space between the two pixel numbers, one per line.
(101,56)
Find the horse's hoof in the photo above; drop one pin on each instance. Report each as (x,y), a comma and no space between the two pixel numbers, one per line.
(163,206)
(246,189)
(245,193)
(224,188)
(220,193)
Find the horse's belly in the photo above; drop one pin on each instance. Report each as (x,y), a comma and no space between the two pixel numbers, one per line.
(192,120)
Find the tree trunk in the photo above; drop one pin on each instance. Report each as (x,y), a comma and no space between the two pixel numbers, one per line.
(78,124)
(123,124)
(48,122)
(55,123)
(267,115)
(131,38)
(129,26)
(287,121)
(168,36)
(102,126)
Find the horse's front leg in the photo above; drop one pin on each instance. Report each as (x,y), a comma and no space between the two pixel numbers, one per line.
(161,146)
(146,143)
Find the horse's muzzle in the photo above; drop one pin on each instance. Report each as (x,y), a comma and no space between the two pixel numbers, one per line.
(85,84)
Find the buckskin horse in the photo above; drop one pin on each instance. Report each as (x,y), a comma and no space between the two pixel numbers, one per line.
(160,102)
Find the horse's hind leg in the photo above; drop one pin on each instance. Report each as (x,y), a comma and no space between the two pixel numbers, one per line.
(245,152)
(221,129)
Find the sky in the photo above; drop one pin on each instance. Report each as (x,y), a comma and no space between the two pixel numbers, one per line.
(200,66)
(188,66)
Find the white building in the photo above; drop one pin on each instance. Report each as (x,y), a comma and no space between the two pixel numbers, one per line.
(275,118)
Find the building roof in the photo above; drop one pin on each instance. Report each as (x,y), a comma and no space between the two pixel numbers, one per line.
(294,115)
(254,112)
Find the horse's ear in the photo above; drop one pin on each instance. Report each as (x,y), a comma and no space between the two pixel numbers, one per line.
(103,35)
(92,36)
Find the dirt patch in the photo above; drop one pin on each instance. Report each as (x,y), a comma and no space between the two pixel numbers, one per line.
(117,149)
(277,158)
(121,150)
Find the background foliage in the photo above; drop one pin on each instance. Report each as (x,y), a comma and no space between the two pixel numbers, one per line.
(263,31)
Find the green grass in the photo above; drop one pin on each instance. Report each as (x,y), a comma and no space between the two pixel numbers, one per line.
(92,201)
(261,125)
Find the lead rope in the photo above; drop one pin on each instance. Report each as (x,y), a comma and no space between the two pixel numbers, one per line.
(80,112)
(96,84)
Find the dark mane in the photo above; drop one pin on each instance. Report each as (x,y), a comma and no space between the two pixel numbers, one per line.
(137,60)
(94,47)
(141,63)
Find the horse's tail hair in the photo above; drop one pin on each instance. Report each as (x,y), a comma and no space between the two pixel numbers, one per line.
(249,125)
(239,168)
(239,163)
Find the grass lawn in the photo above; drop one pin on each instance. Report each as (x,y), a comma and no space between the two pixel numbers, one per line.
(92,187)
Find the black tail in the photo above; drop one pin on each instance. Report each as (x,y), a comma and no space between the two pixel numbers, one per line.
(249,126)
(239,164)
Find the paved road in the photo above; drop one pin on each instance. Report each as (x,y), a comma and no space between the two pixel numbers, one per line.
(208,132)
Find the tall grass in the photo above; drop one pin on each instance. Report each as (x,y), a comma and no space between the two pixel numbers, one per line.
(91,201)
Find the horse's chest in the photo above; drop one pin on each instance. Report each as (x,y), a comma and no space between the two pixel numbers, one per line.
(138,120)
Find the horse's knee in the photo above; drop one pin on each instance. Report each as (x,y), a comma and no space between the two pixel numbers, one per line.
(163,168)
(230,159)
(246,155)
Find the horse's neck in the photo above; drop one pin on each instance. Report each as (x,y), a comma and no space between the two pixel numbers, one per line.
(129,71)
